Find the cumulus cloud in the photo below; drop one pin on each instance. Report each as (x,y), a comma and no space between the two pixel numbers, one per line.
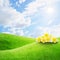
(12,17)
(21,1)
(4,3)
(34,6)
(9,17)
(44,7)
(18,32)
(54,30)
(48,11)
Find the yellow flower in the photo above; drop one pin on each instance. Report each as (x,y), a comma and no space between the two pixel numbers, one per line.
(43,39)
(38,39)
(48,39)
(54,39)
(46,34)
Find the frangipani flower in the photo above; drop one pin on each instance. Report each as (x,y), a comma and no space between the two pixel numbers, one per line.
(43,39)
(54,39)
(38,39)
(46,34)
(46,38)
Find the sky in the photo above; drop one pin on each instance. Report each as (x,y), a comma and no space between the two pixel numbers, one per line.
(30,18)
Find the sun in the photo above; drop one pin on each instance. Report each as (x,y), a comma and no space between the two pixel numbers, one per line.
(50,10)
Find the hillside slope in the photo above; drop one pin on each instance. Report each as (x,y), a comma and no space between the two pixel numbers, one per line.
(8,41)
(33,51)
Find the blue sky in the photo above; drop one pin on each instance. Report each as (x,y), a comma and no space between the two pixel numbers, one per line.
(30,18)
(20,7)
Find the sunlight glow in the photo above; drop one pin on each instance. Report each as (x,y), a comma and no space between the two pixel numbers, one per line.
(50,10)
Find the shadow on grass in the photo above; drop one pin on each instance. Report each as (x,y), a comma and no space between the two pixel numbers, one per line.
(48,43)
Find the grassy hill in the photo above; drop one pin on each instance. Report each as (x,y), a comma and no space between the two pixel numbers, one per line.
(8,41)
(27,49)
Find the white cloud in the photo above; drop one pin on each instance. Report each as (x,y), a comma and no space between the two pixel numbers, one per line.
(4,3)
(9,17)
(54,30)
(19,32)
(50,22)
(14,18)
(34,6)
(13,30)
(1,2)
(21,1)
(46,9)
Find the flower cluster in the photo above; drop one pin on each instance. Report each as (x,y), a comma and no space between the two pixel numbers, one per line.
(46,38)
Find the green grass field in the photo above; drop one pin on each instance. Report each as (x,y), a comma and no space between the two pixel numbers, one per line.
(22,48)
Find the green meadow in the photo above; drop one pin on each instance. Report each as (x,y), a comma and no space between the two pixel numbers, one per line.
(14,47)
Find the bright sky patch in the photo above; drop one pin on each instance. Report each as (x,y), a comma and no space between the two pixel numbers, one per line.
(50,10)
(30,17)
